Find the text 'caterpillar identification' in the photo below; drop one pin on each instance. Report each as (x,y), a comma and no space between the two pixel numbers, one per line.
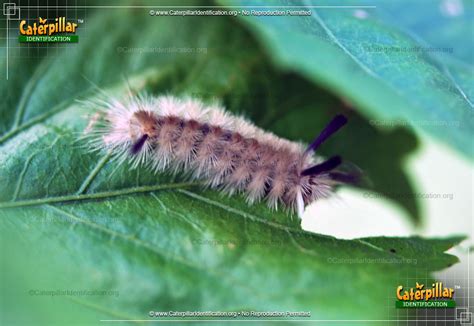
(224,151)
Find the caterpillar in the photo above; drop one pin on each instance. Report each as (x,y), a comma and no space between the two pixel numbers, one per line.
(224,151)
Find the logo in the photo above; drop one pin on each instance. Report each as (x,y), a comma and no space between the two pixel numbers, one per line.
(45,31)
(437,296)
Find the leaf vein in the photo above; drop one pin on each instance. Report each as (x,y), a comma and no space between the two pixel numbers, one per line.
(26,94)
(88,180)
(251,217)
(98,195)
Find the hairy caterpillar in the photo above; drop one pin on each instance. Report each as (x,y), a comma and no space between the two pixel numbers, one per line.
(225,151)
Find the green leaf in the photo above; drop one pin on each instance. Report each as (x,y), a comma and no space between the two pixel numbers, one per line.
(413,82)
(73,220)
(183,250)
(243,80)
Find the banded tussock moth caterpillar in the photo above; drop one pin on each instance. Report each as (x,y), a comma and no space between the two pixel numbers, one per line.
(224,151)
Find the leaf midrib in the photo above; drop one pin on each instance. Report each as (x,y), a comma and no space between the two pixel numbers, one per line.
(95,195)
(143,189)
(178,188)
